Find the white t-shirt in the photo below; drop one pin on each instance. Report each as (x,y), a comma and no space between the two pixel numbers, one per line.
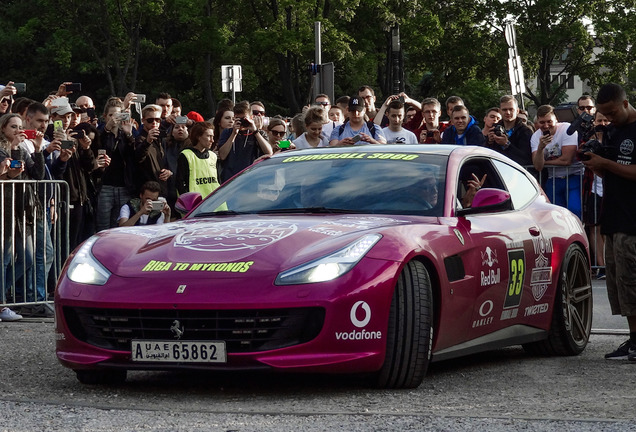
(302,143)
(404,136)
(554,150)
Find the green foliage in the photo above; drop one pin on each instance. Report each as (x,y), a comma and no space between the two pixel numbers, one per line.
(449,47)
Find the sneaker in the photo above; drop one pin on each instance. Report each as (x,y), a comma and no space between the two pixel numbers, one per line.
(600,275)
(8,315)
(632,356)
(623,352)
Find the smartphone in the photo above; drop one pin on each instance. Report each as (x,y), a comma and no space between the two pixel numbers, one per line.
(79,133)
(16,163)
(401,99)
(356,138)
(546,132)
(141,98)
(20,87)
(181,120)
(58,125)
(67,144)
(284,144)
(122,116)
(73,87)
(430,134)
(30,133)
(91,113)
(157,205)
(101,152)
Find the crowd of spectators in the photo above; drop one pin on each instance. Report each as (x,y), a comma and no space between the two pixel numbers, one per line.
(126,165)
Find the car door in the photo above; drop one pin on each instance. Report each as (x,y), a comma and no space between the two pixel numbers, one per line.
(500,244)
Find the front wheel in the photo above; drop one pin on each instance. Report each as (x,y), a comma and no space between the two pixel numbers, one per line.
(410,330)
(572,314)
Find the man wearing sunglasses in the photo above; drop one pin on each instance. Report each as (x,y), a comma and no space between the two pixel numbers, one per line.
(149,149)
(257,110)
(585,104)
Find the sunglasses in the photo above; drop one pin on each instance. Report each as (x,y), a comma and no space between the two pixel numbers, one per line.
(152,120)
(278,133)
(322,103)
(258,113)
(7,101)
(588,108)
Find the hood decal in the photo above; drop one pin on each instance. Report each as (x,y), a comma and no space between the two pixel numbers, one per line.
(234,235)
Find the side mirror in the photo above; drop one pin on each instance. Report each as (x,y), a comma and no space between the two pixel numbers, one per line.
(188,201)
(488,200)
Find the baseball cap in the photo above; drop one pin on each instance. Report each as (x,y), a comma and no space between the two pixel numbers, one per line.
(61,106)
(356,103)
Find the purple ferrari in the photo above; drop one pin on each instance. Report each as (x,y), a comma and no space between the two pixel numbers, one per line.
(374,259)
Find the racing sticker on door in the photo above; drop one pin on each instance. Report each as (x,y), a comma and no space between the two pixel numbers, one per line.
(516,278)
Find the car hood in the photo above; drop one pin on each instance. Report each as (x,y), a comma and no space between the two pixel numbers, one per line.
(232,246)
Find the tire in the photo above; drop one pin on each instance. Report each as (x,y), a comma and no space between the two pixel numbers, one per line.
(98,376)
(410,330)
(572,313)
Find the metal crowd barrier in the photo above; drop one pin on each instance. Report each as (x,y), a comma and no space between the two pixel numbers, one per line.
(596,243)
(34,215)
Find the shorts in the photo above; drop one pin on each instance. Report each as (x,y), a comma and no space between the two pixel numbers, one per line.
(620,262)
(592,209)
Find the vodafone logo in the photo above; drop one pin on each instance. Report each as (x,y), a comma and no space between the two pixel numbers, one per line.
(354,314)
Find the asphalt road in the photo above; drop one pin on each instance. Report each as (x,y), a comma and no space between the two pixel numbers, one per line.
(500,390)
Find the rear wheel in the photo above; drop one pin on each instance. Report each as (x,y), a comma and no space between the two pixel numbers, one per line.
(410,331)
(94,377)
(572,314)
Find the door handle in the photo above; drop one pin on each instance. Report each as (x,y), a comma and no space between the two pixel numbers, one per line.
(534,231)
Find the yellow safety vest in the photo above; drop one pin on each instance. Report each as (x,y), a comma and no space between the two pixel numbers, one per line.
(203,177)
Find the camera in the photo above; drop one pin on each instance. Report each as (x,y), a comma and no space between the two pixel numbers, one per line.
(16,163)
(20,87)
(498,130)
(245,122)
(284,144)
(157,205)
(584,125)
(30,133)
(593,145)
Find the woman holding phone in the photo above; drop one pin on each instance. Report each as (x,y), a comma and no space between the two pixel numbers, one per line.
(20,209)
(314,119)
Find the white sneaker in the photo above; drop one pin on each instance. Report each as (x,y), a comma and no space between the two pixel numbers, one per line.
(8,315)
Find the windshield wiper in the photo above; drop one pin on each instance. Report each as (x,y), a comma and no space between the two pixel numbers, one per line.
(219,213)
(307,210)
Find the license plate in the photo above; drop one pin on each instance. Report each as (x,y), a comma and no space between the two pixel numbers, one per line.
(178,351)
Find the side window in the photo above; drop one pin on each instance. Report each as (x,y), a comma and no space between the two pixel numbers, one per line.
(521,189)
(478,167)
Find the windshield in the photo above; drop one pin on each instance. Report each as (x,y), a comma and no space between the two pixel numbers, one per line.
(401,183)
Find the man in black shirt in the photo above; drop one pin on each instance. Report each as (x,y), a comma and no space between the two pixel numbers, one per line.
(617,165)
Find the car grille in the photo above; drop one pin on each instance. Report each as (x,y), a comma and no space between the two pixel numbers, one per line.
(242,330)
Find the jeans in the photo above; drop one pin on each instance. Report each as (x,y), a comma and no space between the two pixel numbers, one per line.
(565,192)
(44,253)
(109,202)
(22,266)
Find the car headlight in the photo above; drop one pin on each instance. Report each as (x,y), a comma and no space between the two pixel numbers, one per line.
(85,269)
(331,266)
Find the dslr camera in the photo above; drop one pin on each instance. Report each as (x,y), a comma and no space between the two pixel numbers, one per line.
(498,130)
